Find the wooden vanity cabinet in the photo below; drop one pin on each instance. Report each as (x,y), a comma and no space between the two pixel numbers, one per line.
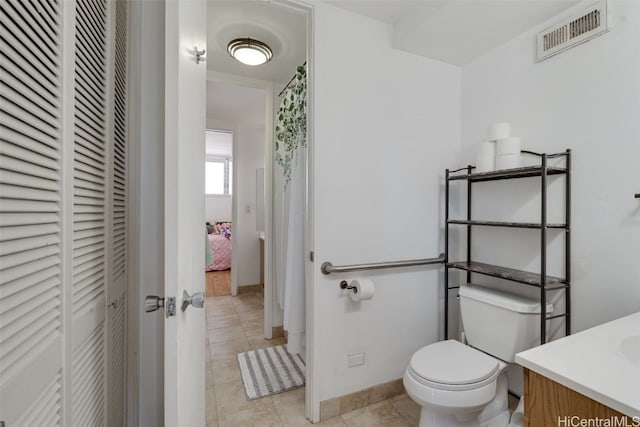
(548,403)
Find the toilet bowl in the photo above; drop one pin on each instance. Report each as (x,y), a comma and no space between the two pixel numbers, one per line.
(460,385)
(457,385)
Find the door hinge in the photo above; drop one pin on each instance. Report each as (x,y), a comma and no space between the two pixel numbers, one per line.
(311,256)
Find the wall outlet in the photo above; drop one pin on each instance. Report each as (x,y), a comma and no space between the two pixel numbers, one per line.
(355,360)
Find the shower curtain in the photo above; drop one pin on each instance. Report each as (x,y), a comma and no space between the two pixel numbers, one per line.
(290,192)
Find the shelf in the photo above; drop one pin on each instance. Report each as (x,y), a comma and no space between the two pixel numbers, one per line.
(512,274)
(523,172)
(505,224)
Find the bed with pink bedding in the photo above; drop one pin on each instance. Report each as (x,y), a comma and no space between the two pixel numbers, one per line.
(221,247)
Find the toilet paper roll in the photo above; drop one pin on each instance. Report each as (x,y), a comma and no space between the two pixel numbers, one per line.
(508,161)
(499,131)
(363,289)
(485,157)
(510,145)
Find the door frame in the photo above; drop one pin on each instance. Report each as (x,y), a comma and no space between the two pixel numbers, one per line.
(312,385)
(135,288)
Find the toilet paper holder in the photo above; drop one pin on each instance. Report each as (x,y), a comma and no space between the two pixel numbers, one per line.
(345,285)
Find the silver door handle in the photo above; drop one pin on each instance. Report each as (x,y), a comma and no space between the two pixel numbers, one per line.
(154,302)
(196,300)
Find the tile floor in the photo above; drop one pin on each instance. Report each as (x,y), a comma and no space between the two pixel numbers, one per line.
(235,325)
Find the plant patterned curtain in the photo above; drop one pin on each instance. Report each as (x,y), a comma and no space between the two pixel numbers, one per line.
(291,124)
(289,202)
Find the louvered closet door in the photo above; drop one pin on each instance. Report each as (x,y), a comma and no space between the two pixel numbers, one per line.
(117,286)
(90,214)
(31,285)
(62,212)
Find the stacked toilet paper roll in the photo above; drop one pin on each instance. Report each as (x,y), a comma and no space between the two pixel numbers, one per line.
(508,153)
(362,289)
(499,131)
(501,151)
(485,156)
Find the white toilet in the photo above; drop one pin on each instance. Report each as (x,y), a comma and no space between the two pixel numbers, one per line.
(466,385)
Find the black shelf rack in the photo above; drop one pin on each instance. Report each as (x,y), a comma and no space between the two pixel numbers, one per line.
(538,279)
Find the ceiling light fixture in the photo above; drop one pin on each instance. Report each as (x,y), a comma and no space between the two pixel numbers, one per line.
(249,51)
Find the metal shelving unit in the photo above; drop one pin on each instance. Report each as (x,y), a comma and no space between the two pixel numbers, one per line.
(538,279)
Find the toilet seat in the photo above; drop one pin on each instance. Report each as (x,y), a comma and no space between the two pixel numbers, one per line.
(451,365)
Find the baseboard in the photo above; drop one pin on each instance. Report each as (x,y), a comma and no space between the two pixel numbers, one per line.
(249,289)
(277,332)
(341,405)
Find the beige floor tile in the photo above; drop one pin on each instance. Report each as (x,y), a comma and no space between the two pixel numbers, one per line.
(249,305)
(378,415)
(213,305)
(210,398)
(212,421)
(290,407)
(256,416)
(251,316)
(360,411)
(336,422)
(248,298)
(215,301)
(223,321)
(221,311)
(259,342)
(229,349)
(253,329)
(221,335)
(226,370)
(409,409)
(231,399)
(243,297)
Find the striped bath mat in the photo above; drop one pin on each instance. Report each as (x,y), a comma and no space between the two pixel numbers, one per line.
(269,371)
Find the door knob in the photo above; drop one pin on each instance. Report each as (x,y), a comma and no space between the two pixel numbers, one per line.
(153,303)
(196,300)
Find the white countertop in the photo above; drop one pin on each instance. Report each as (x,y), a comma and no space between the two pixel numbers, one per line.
(603,363)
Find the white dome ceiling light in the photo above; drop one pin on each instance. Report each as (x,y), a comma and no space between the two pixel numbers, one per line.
(249,51)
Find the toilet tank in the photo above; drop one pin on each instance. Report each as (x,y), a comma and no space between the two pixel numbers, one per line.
(500,323)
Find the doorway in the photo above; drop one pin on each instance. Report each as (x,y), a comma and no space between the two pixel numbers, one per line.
(218,211)
(284,29)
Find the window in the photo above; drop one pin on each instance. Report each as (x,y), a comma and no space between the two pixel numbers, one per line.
(218,173)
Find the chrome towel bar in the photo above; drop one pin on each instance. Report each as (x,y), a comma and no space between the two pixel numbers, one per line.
(328,268)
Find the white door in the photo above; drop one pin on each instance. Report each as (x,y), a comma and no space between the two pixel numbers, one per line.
(184,336)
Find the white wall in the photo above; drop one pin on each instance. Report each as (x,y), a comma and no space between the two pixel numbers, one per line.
(586,99)
(218,208)
(386,125)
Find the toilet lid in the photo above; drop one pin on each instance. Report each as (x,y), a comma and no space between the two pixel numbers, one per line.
(451,362)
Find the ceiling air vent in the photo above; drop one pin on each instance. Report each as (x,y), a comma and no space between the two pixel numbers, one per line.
(573,31)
